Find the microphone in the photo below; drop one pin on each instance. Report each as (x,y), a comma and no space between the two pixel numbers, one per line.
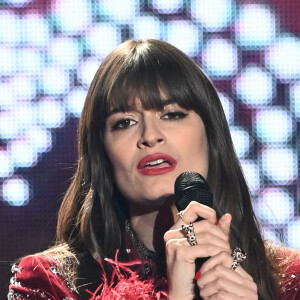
(191,186)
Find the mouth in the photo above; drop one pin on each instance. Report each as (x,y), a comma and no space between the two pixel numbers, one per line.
(156,164)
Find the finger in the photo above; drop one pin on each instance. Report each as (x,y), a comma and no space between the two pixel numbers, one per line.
(195,210)
(225,222)
(224,259)
(180,249)
(245,289)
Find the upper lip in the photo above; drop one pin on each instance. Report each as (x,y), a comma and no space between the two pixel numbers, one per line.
(155,157)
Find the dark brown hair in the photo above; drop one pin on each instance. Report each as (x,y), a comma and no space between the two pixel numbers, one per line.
(89,218)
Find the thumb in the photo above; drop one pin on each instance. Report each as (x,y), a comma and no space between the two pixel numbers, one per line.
(224,222)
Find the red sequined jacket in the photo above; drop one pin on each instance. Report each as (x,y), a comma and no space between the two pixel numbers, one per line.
(39,278)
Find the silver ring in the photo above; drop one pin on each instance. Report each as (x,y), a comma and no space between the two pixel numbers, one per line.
(238,256)
(180,214)
(190,234)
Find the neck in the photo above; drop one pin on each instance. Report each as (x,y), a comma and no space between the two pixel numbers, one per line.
(150,226)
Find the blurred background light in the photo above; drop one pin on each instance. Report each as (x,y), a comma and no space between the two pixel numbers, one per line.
(64,52)
(295,99)
(16,191)
(118,11)
(293,230)
(241,141)
(167,6)
(8,61)
(251,171)
(279,165)
(147,27)
(282,58)
(255,26)
(54,80)
(51,113)
(255,86)
(29,61)
(274,125)
(6,165)
(220,58)
(34,30)
(75,101)
(213,15)
(87,70)
(102,38)
(275,206)
(184,35)
(228,107)
(11,36)
(72,16)
(18,3)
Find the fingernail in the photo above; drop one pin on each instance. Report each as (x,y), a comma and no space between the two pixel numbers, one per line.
(198,275)
(216,223)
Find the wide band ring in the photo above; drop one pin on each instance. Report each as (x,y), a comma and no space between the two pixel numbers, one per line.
(238,256)
(190,234)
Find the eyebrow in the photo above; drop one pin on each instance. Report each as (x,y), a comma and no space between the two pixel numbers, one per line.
(165,102)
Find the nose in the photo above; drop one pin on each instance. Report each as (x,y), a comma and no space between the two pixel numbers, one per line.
(151,134)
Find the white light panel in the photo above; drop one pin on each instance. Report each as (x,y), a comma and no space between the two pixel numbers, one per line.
(72,16)
(146,27)
(282,58)
(167,6)
(280,165)
(293,229)
(251,171)
(15,191)
(51,113)
(255,86)
(6,165)
(64,52)
(241,141)
(184,35)
(295,99)
(213,15)
(228,107)
(275,206)
(34,30)
(274,125)
(87,70)
(54,80)
(118,11)
(75,101)
(220,58)
(11,36)
(255,26)
(102,39)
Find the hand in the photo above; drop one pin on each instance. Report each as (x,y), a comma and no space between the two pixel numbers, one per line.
(219,281)
(181,257)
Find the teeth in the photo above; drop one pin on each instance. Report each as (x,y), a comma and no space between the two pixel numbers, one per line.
(156,162)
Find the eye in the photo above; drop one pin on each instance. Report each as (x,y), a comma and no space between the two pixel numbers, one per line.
(123,124)
(174,115)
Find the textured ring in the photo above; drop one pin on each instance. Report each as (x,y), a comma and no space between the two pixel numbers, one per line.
(190,234)
(180,214)
(238,256)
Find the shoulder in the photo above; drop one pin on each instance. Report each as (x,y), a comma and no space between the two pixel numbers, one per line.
(39,276)
(286,264)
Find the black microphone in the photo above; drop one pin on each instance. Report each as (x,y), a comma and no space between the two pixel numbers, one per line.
(191,186)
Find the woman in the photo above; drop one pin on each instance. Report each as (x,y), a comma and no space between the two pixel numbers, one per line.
(151,114)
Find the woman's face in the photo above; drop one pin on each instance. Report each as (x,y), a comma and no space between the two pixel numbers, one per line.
(149,149)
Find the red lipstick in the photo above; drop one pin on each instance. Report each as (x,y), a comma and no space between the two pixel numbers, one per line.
(156,164)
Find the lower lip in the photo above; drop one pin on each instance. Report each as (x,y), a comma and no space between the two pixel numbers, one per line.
(157,171)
